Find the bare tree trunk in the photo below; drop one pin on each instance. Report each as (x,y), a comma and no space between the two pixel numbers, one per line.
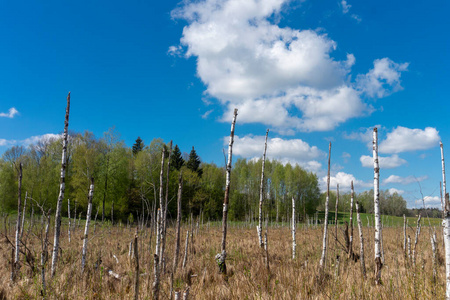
(361,241)
(336,217)
(44,254)
(433,248)
(177,235)
(105,190)
(186,250)
(23,215)
(404,233)
(416,240)
(164,220)
(16,265)
(446,225)
(293,228)
(62,187)
(68,216)
(156,257)
(86,228)
(136,256)
(323,258)
(261,193)
(350,246)
(376,208)
(221,257)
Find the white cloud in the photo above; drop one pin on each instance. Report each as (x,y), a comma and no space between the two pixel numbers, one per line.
(345,7)
(430,201)
(30,140)
(388,162)
(206,114)
(10,114)
(403,180)
(403,139)
(344,180)
(383,79)
(279,76)
(294,151)
(392,191)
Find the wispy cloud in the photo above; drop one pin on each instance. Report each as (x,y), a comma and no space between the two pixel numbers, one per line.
(30,140)
(206,114)
(12,112)
(345,7)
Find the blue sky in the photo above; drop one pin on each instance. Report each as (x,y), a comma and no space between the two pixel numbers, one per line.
(311,72)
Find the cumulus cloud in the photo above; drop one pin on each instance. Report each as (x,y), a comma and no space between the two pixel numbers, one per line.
(344,180)
(388,162)
(403,139)
(392,191)
(10,114)
(294,151)
(430,201)
(403,180)
(383,79)
(283,77)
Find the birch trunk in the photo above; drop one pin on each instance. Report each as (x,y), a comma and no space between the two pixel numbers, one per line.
(416,240)
(404,234)
(261,193)
(136,255)
(86,228)
(336,216)
(177,235)
(164,222)
(361,241)
(221,257)
(350,246)
(446,225)
(186,250)
(156,257)
(16,265)
(376,207)
(433,248)
(44,254)
(325,227)
(293,228)
(62,187)
(23,215)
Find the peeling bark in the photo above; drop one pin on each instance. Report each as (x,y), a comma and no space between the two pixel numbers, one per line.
(325,227)
(62,187)
(261,193)
(293,228)
(376,207)
(361,241)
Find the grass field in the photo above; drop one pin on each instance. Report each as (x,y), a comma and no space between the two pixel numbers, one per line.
(248,277)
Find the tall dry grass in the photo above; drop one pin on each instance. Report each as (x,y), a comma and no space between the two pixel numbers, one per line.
(247,277)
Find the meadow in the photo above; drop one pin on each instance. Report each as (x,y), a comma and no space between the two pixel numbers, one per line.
(110,271)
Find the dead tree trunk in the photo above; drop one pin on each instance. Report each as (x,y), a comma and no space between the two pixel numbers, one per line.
(221,257)
(293,228)
(44,253)
(446,225)
(186,250)
(86,228)
(136,256)
(16,264)
(62,188)
(416,240)
(350,246)
(361,241)
(177,235)
(156,257)
(164,222)
(336,217)
(22,227)
(161,208)
(261,193)
(323,258)
(404,233)
(68,216)
(376,208)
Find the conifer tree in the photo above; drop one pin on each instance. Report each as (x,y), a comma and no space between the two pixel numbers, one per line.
(138,146)
(194,162)
(177,160)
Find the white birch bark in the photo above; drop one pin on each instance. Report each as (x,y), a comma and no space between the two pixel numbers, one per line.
(336,216)
(416,240)
(136,278)
(62,187)
(86,228)
(404,233)
(361,241)
(156,257)
(23,215)
(293,228)
(446,225)
(350,246)
(325,227)
(376,207)
(221,257)
(44,254)
(261,193)
(16,265)
(433,248)
(164,222)
(178,232)
(186,250)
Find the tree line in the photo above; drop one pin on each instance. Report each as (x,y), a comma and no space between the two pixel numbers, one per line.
(127,181)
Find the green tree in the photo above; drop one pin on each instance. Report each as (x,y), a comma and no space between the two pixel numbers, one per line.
(138,146)
(177,160)
(194,162)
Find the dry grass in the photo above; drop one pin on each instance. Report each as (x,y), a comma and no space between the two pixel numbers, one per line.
(248,277)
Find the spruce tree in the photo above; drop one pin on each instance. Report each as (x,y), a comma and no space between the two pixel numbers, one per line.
(194,162)
(138,145)
(177,160)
